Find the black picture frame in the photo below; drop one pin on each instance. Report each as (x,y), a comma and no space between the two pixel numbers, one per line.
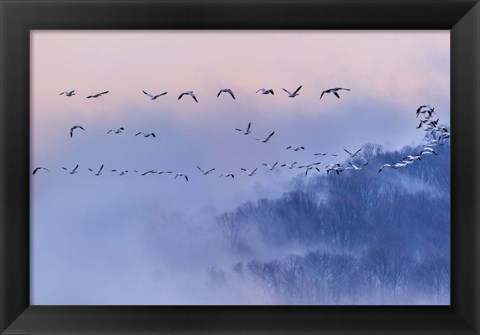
(18,17)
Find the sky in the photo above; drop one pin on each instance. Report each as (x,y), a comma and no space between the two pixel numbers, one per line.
(139,239)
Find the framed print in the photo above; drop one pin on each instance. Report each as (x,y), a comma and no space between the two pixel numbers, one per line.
(226,166)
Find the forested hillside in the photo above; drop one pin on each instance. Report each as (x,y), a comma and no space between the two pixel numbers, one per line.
(361,237)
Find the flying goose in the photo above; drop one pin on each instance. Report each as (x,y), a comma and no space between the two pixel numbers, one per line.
(68,93)
(428,151)
(412,158)
(433,123)
(294,94)
(226,175)
(118,131)
(310,165)
(355,167)
(190,93)
(266,91)
(204,172)
(249,173)
(425,109)
(123,172)
(148,172)
(97,95)
(73,128)
(444,136)
(226,90)
(145,134)
(295,149)
(40,168)
(399,165)
(267,139)
(334,91)
(289,166)
(99,173)
(162,172)
(153,97)
(421,122)
(247,131)
(73,171)
(270,167)
(354,154)
(308,168)
(387,165)
(181,175)
(334,167)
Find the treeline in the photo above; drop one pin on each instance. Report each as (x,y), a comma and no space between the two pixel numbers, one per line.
(367,237)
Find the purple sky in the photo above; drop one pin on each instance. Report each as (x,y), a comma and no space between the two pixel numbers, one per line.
(122,235)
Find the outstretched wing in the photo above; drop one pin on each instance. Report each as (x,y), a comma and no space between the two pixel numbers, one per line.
(194,98)
(298,89)
(356,152)
(159,95)
(231,93)
(269,136)
(148,94)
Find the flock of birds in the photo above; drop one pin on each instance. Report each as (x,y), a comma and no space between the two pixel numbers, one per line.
(263,90)
(438,134)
